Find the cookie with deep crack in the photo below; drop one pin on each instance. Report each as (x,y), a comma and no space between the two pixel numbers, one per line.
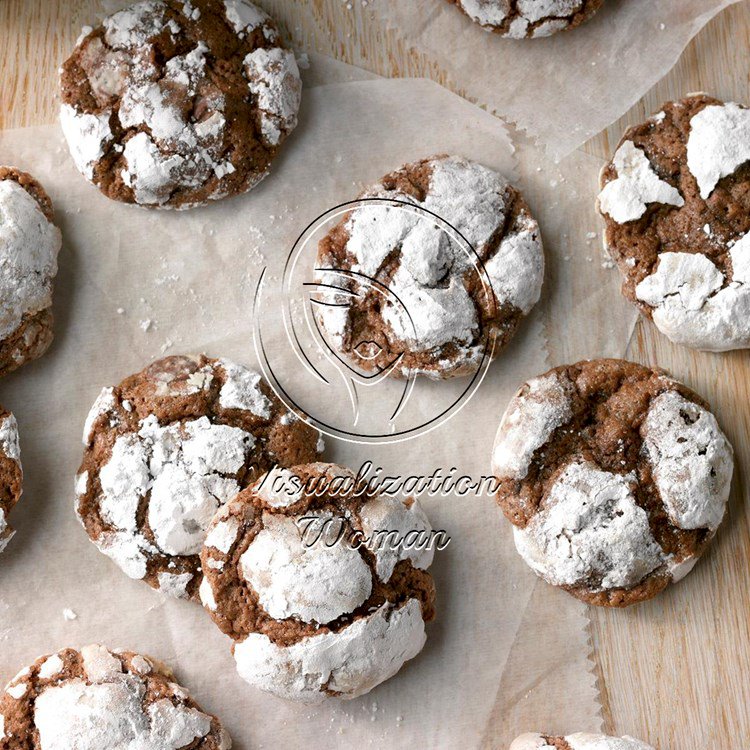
(174,103)
(614,476)
(95,698)
(29,245)
(578,741)
(431,272)
(321,583)
(11,474)
(676,204)
(166,448)
(528,18)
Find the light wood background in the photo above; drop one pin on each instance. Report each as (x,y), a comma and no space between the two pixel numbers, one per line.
(675,671)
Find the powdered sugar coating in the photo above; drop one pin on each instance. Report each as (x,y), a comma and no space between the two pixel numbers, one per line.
(695,304)
(294,579)
(692,461)
(591,530)
(150,485)
(533,414)
(29,245)
(580,741)
(11,473)
(314,610)
(348,663)
(97,698)
(719,143)
(615,483)
(170,128)
(385,521)
(434,308)
(527,18)
(10,446)
(273,77)
(637,185)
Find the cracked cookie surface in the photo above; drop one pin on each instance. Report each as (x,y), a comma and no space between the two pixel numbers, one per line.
(317,602)
(172,104)
(11,474)
(401,293)
(614,476)
(29,246)
(169,445)
(676,203)
(521,19)
(95,698)
(578,741)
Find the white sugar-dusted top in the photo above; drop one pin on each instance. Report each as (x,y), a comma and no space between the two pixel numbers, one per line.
(695,304)
(135,25)
(487,12)
(396,531)
(637,185)
(718,144)
(274,80)
(29,245)
(305,579)
(104,403)
(580,741)
(10,445)
(528,423)
(189,471)
(108,710)
(429,305)
(692,461)
(244,16)
(350,662)
(550,15)
(278,488)
(241,390)
(590,530)
(173,151)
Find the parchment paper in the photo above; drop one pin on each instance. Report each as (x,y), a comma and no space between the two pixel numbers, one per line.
(507,653)
(565,88)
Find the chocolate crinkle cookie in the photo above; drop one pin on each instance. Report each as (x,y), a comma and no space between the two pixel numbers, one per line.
(166,448)
(614,476)
(676,203)
(29,245)
(317,603)
(173,103)
(521,19)
(578,741)
(95,698)
(405,294)
(11,475)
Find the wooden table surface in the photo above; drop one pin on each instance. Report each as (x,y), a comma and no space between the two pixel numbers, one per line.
(675,671)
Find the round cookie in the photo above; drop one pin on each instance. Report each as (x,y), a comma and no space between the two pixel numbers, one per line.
(174,103)
(528,18)
(438,317)
(614,476)
(95,698)
(29,245)
(11,475)
(676,204)
(578,741)
(167,447)
(316,602)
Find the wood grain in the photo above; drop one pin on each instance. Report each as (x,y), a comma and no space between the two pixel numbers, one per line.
(677,670)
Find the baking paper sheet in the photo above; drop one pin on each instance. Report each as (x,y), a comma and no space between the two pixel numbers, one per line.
(563,89)
(507,653)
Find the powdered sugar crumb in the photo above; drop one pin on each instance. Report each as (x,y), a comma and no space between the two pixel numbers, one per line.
(627,197)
